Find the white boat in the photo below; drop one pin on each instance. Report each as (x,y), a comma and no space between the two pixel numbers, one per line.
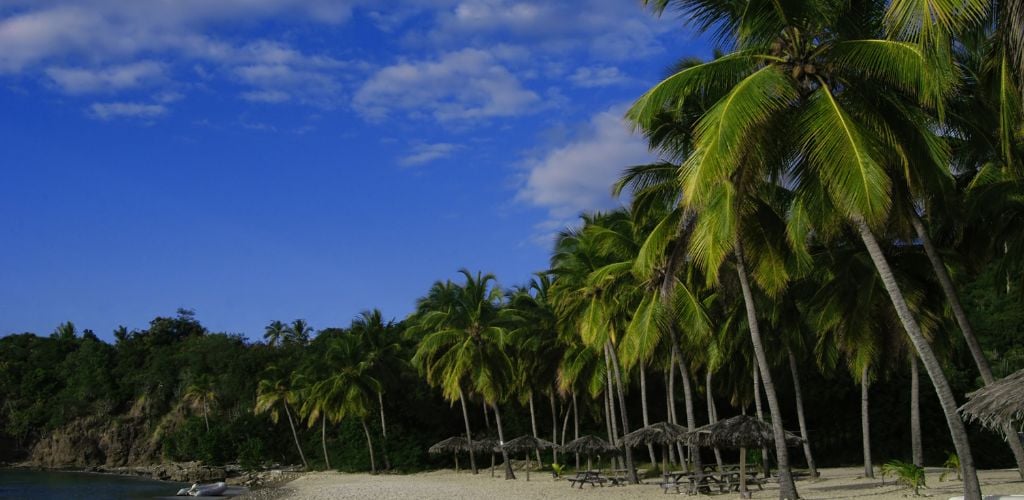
(206,490)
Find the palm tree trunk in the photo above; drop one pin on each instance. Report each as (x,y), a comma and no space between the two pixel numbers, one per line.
(533,425)
(206,418)
(614,419)
(501,437)
(295,435)
(691,419)
(383,432)
(369,446)
(554,425)
(712,416)
(575,424)
(787,489)
(487,418)
(323,440)
(630,468)
(565,422)
(865,423)
(469,435)
(670,406)
(917,451)
(946,282)
(800,415)
(765,465)
(643,403)
(972,490)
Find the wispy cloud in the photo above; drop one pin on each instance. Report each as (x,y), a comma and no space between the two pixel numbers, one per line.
(112,110)
(426,153)
(463,85)
(598,76)
(106,79)
(271,96)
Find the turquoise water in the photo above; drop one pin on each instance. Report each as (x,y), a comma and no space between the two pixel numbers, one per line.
(34,485)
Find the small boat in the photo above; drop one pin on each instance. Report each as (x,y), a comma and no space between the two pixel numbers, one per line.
(206,490)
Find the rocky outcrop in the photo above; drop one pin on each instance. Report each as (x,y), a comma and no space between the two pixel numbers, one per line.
(94,441)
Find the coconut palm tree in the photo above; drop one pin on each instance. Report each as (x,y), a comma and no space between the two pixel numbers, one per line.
(201,395)
(463,346)
(812,93)
(298,332)
(379,340)
(275,333)
(274,391)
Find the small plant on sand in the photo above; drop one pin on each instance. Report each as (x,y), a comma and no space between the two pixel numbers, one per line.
(906,474)
(952,464)
(557,470)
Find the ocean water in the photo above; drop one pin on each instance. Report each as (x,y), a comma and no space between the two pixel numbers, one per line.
(49,485)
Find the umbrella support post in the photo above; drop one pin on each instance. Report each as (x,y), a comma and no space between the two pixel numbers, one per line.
(492,464)
(456,462)
(743,474)
(527,467)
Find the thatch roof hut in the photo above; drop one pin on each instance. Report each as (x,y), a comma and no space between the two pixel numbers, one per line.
(663,433)
(997,404)
(740,432)
(590,446)
(526,444)
(487,445)
(453,445)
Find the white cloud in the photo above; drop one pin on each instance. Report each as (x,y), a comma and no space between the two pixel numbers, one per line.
(269,96)
(111,78)
(426,153)
(111,110)
(578,176)
(598,76)
(464,85)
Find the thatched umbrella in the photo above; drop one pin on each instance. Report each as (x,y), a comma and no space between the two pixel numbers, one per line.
(527,444)
(487,445)
(452,445)
(998,404)
(663,433)
(589,445)
(741,432)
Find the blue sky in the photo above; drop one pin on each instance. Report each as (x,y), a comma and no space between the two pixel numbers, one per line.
(278,159)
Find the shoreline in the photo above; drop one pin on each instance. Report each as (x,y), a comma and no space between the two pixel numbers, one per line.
(181,473)
(446,484)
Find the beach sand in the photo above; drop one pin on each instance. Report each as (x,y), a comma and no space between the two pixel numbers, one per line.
(835,483)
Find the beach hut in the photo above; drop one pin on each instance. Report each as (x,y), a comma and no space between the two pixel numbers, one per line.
(487,445)
(663,433)
(741,432)
(590,446)
(452,445)
(998,405)
(526,444)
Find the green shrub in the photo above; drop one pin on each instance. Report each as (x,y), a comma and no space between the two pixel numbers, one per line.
(906,474)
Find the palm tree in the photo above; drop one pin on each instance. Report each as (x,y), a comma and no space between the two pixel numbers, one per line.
(383,353)
(298,332)
(273,392)
(275,333)
(201,395)
(810,95)
(463,347)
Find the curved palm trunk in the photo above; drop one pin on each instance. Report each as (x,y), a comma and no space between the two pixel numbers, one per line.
(765,465)
(670,405)
(469,435)
(554,425)
(946,282)
(972,490)
(800,415)
(487,418)
(369,446)
(691,419)
(917,451)
(295,435)
(533,425)
(613,417)
(206,417)
(643,403)
(712,416)
(787,489)
(501,437)
(630,468)
(323,441)
(575,424)
(383,432)
(865,423)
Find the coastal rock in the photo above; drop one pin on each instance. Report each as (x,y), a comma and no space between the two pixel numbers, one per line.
(93,442)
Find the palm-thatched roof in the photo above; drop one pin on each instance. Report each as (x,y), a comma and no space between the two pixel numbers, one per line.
(588,444)
(659,433)
(998,403)
(485,445)
(741,431)
(450,445)
(527,443)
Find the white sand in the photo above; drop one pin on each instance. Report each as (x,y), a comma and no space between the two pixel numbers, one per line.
(447,485)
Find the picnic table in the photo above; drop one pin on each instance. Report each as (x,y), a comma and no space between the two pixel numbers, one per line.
(591,477)
(706,482)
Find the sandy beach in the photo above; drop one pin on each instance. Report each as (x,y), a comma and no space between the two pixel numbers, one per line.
(446,484)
